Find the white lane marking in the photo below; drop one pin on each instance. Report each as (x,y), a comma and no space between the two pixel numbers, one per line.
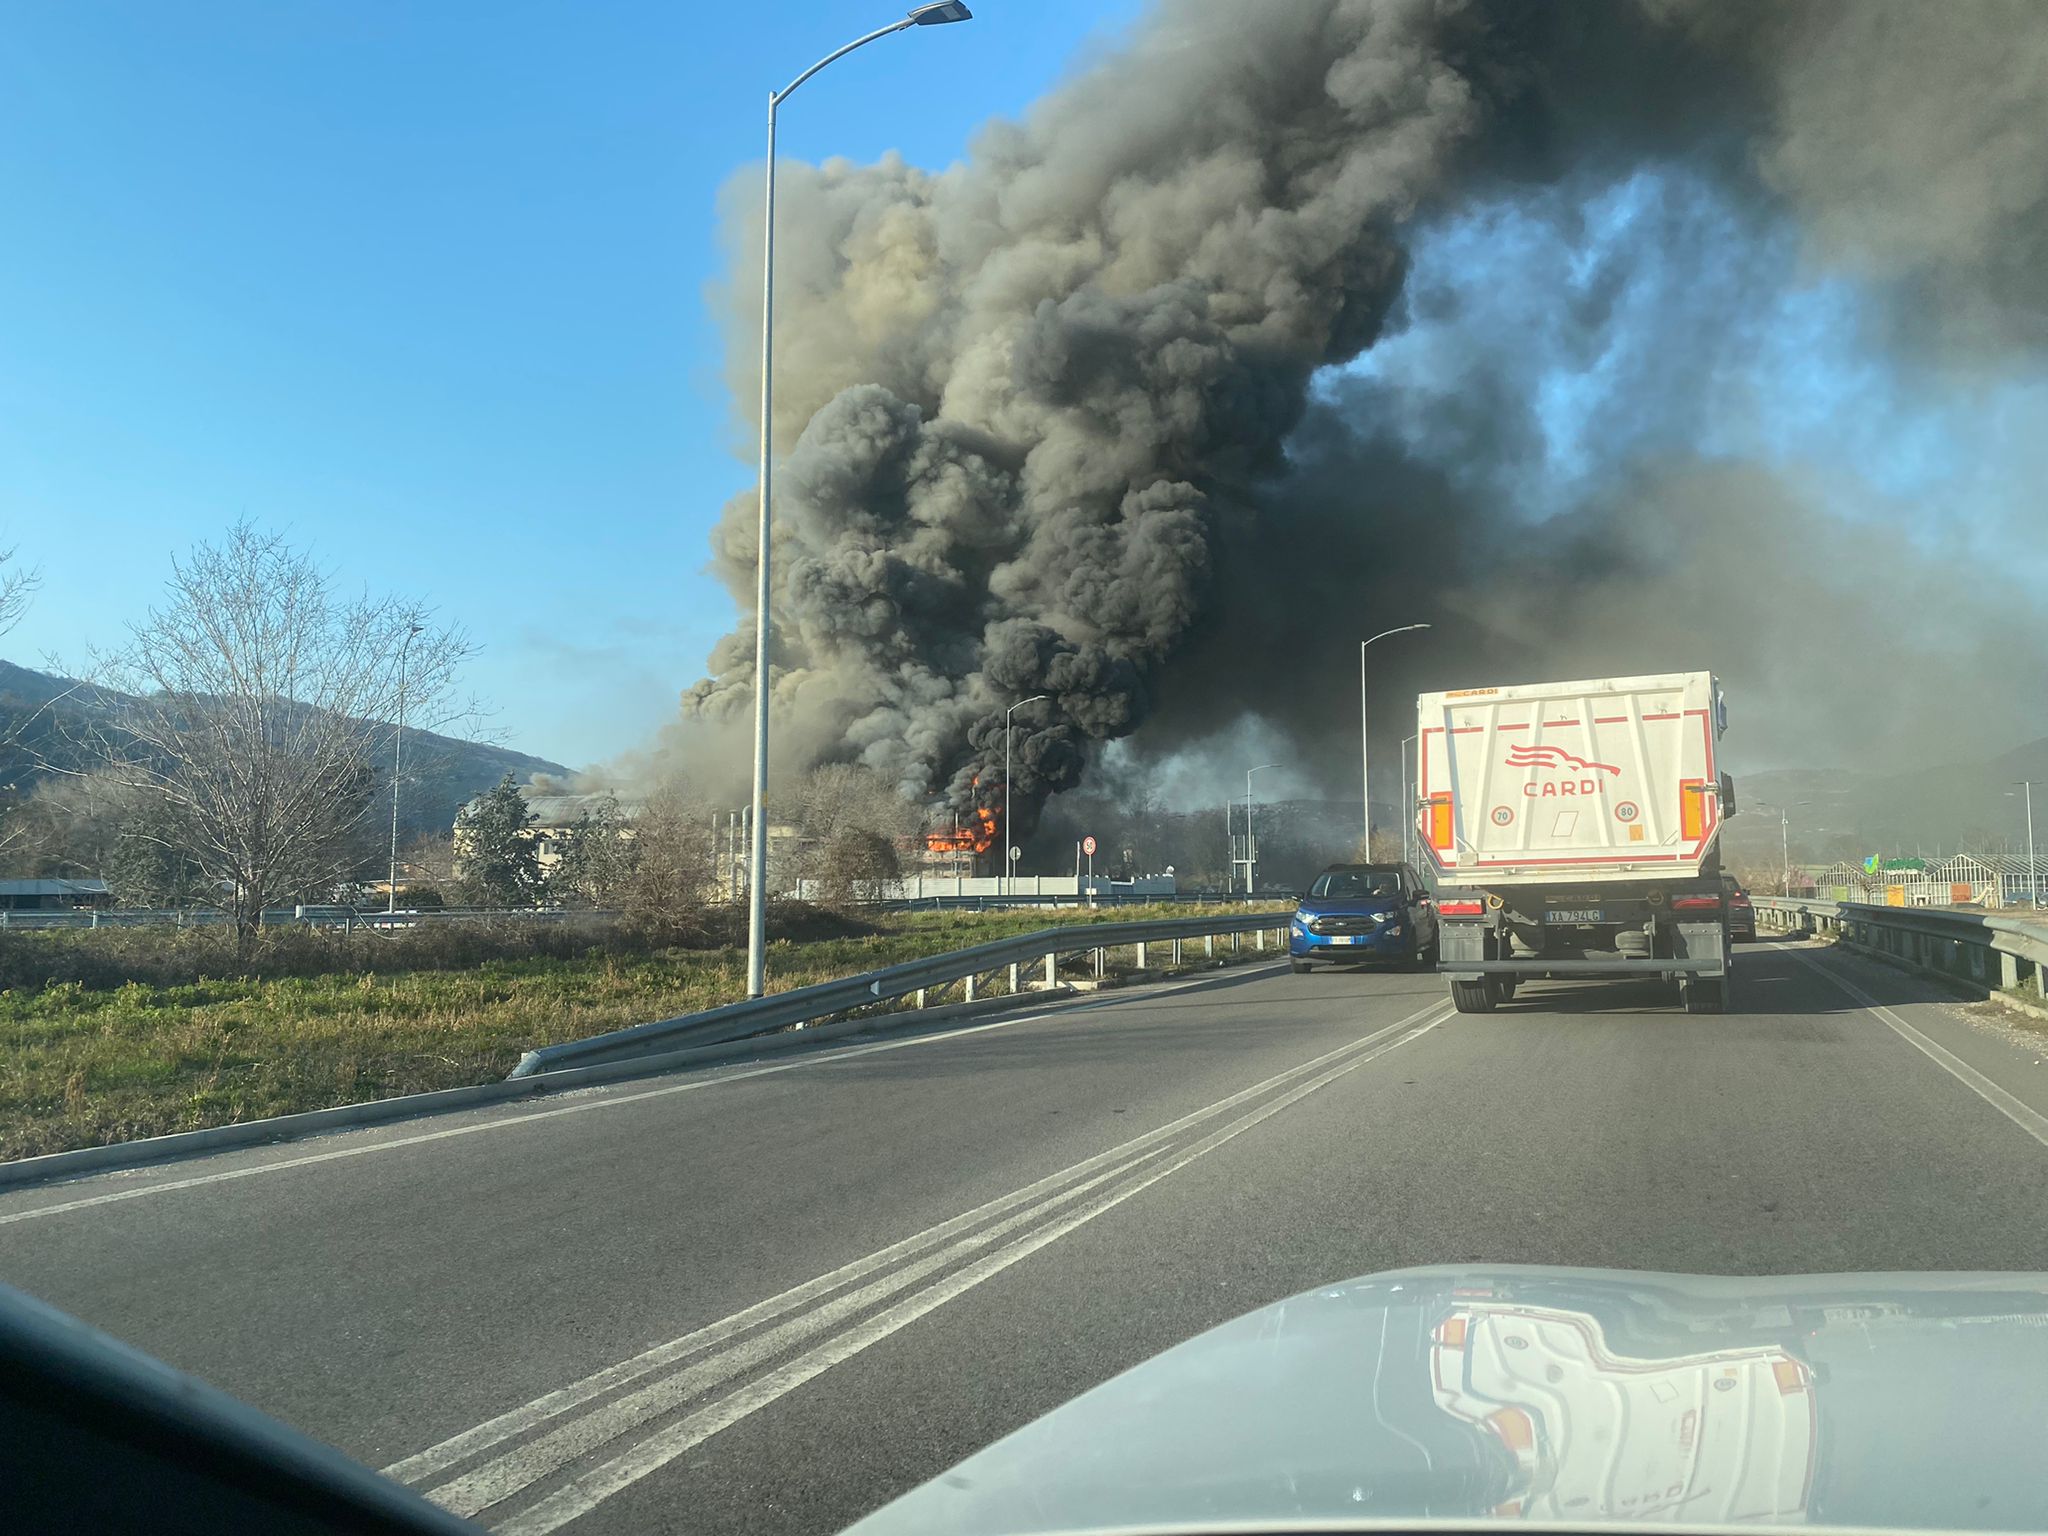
(2027,1119)
(447,1453)
(585,1493)
(534,1117)
(499,1479)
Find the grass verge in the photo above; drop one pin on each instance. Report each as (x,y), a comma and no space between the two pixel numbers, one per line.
(91,1055)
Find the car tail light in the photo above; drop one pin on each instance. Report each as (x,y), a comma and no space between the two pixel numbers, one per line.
(1692,809)
(1440,822)
(1461,908)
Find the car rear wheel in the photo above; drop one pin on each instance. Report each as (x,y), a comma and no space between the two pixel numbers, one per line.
(1472,996)
(1299,967)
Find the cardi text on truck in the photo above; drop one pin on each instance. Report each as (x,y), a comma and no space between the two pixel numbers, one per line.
(1574,830)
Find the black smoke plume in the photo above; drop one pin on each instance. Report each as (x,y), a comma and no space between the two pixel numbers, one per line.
(1051,421)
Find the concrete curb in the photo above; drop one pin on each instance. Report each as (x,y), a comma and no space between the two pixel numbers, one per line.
(248,1133)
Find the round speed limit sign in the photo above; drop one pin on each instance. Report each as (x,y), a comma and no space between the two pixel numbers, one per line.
(1088,846)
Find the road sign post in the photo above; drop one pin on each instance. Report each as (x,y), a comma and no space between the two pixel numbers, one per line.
(1088,847)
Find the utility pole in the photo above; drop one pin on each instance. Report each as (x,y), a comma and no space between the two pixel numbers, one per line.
(397,760)
(1251,868)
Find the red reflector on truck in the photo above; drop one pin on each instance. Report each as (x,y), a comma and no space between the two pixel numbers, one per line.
(1694,903)
(1461,908)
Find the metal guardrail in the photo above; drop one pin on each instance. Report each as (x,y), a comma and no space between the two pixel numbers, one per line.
(319,917)
(781,1010)
(1100,899)
(1984,947)
(377,917)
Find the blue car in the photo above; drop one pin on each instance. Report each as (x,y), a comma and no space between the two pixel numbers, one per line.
(1361,913)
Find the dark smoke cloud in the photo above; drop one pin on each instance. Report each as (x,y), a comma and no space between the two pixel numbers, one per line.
(1049,418)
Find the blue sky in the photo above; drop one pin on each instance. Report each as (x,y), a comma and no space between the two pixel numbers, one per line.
(424,286)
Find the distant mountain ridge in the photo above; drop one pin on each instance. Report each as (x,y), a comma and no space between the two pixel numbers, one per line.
(442,773)
(1856,813)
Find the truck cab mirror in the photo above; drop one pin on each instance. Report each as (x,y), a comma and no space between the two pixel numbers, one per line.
(1727,796)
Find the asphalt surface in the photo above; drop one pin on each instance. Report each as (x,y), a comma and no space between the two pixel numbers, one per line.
(770,1297)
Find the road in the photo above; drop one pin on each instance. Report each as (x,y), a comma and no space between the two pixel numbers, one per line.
(768,1298)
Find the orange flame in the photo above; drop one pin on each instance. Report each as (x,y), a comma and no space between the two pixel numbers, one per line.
(977,836)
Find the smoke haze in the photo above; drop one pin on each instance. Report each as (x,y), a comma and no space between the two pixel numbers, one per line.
(1553,327)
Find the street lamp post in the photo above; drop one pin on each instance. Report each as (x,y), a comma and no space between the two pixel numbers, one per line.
(1251,883)
(2033,874)
(757,852)
(1009,869)
(397,760)
(1407,807)
(1784,839)
(1364,735)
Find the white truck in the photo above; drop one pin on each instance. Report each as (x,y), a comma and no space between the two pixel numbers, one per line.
(1573,829)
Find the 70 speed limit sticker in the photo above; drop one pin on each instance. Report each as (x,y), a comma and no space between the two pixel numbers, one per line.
(1502,815)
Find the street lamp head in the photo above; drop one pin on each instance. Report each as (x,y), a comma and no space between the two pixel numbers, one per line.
(940,15)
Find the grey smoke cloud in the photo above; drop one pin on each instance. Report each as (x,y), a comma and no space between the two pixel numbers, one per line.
(1047,416)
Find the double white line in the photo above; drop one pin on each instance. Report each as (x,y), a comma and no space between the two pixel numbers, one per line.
(824,1321)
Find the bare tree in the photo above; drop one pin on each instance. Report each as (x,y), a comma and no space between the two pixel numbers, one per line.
(857,865)
(599,855)
(71,826)
(17,586)
(256,714)
(835,799)
(672,860)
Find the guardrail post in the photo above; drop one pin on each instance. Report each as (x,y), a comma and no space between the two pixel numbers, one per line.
(1261,937)
(1176,951)
(2008,970)
(1209,946)
(1013,980)
(920,997)
(1141,954)
(1233,944)
(967,994)
(1052,969)
(1101,962)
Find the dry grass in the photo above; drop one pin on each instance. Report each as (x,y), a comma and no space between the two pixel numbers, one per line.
(90,1054)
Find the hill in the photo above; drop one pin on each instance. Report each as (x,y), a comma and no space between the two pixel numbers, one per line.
(1851,815)
(40,714)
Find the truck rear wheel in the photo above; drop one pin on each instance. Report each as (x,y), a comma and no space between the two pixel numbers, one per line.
(1704,994)
(1473,996)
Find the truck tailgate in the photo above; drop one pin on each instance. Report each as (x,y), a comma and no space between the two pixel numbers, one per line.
(1567,783)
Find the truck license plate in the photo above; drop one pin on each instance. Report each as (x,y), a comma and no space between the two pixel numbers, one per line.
(1575,915)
